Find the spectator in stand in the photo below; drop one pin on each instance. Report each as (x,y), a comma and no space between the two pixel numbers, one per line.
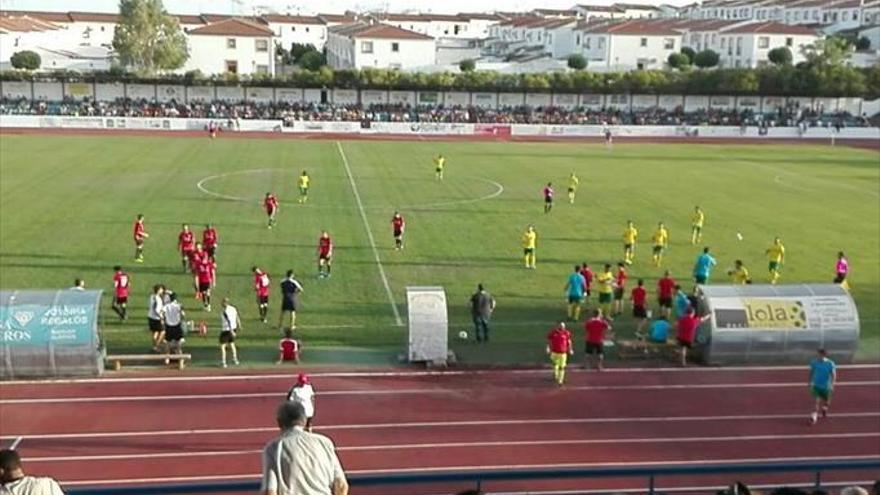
(13,480)
(288,348)
(299,461)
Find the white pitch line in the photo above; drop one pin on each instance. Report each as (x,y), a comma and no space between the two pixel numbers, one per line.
(413,391)
(357,197)
(16,442)
(440,424)
(413,374)
(465,445)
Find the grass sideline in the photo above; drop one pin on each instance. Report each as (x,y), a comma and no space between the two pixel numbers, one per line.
(68,204)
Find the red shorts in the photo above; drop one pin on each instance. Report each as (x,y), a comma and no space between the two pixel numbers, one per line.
(324,255)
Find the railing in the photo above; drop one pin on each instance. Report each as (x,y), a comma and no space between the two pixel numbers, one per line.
(651,473)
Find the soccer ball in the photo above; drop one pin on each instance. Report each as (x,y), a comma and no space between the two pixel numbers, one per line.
(462,335)
(739,236)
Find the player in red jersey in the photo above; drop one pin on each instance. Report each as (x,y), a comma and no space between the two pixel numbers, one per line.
(639,298)
(186,244)
(588,275)
(665,294)
(261,287)
(559,348)
(205,277)
(398,225)
(288,348)
(270,203)
(325,254)
(121,283)
(548,197)
(619,289)
(210,240)
(140,235)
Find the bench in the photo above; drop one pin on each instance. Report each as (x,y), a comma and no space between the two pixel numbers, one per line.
(118,359)
(634,349)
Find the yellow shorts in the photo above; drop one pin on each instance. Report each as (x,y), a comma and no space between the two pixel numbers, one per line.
(559,359)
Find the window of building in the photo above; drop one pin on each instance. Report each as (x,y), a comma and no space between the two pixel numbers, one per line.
(844,16)
(763,41)
(669,43)
(262,69)
(587,44)
(366,47)
(307,29)
(395,47)
(261,45)
(577,40)
(789,41)
(232,66)
(601,43)
(230,42)
(723,42)
(643,42)
(293,28)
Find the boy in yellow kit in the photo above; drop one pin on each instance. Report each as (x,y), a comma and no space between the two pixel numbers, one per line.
(660,239)
(629,242)
(304,187)
(697,225)
(776,255)
(529,243)
(573,183)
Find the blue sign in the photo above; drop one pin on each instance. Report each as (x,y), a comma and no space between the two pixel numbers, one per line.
(52,321)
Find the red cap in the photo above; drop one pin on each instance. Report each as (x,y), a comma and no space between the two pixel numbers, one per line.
(302,379)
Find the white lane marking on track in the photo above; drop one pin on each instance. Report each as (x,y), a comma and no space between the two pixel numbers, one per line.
(441,424)
(357,197)
(411,391)
(16,442)
(411,374)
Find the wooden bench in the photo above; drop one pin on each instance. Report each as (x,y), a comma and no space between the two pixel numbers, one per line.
(118,359)
(634,349)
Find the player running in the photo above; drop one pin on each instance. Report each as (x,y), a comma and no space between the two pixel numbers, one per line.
(574,289)
(823,375)
(206,271)
(841,270)
(270,204)
(398,225)
(210,240)
(439,165)
(140,236)
(739,274)
(548,197)
(697,225)
(529,244)
(304,187)
(573,183)
(559,348)
(325,254)
(660,240)
(261,287)
(703,267)
(630,234)
(121,284)
(776,255)
(186,245)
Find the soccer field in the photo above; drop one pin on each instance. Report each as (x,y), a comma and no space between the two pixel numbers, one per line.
(67,205)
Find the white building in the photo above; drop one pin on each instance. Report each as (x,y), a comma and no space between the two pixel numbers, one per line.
(94,28)
(559,37)
(747,45)
(382,46)
(591,12)
(630,45)
(479,24)
(290,29)
(638,10)
(234,45)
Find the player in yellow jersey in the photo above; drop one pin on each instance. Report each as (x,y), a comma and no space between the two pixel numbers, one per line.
(304,187)
(776,256)
(629,242)
(439,164)
(605,281)
(529,243)
(697,225)
(573,183)
(739,274)
(660,240)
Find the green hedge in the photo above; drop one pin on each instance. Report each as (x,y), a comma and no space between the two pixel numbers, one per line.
(774,81)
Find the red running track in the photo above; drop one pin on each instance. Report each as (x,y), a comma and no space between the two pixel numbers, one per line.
(165,429)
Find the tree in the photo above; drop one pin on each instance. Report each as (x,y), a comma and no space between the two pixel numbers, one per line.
(147,38)
(312,60)
(706,59)
(467,65)
(691,54)
(780,56)
(828,52)
(577,62)
(863,43)
(26,60)
(678,60)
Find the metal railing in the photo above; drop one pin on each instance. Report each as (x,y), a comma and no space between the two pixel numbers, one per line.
(649,473)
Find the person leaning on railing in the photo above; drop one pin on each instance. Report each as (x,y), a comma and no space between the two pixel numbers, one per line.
(299,461)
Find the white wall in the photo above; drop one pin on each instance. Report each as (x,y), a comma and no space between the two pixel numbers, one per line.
(625,52)
(209,53)
(287,33)
(750,50)
(409,54)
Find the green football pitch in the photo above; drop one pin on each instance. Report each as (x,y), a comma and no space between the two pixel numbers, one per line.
(68,204)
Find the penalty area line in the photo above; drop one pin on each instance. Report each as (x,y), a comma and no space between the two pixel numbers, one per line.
(357,197)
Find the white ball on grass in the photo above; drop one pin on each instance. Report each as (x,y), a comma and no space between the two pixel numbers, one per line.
(462,335)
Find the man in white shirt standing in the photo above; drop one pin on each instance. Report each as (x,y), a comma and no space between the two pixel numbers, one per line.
(299,461)
(155,314)
(304,394)
(230,324)
(174,315)
(13,481)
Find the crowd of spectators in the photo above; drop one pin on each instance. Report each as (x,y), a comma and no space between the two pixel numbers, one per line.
(792,115)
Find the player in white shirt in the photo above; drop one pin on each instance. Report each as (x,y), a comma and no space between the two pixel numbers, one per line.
(174,316)
(155,314)
(230,324)
(304,394)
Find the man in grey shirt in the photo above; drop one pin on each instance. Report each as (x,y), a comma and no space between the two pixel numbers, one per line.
(299,462)
(482,306)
